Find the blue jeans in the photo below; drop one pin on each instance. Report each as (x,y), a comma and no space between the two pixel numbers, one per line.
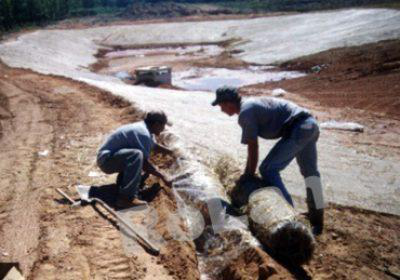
(300,143)
(128,163)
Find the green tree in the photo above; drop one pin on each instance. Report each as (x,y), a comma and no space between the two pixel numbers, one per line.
(20,11)
(122,3)
(88,4)
(37,11)
(51,7)
(107,3)
(63,9)
(6,14)
(74,4)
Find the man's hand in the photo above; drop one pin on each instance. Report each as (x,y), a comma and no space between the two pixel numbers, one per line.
(168,182)
(150,168)
(244,178)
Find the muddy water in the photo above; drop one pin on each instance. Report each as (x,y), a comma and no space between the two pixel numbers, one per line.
(129,59)
(209,79)
(122,62)
(182,51)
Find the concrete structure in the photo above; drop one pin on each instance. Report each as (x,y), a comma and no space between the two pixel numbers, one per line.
(153,75)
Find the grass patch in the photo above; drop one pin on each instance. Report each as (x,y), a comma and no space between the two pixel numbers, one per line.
(387,6)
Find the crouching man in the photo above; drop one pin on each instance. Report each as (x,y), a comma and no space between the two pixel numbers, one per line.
(126,152)
(298,131)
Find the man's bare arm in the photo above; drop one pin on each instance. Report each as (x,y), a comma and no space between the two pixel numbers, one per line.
(252,157)
(151,169)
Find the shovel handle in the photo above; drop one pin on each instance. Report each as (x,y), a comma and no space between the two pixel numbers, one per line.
(140,238)
(66,196)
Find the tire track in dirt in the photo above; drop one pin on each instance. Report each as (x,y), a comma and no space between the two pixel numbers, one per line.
(18,168)
(48,238)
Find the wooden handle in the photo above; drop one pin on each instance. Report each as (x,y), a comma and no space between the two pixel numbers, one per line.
(140,238)
(146,243)
(65,195)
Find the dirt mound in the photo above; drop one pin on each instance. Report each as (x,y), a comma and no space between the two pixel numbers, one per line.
(365,77)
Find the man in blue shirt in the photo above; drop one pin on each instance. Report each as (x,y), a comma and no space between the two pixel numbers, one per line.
(126,152)
(272,118)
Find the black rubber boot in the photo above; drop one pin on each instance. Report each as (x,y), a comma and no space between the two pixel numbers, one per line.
(143,180)
(119,179)
(315,216)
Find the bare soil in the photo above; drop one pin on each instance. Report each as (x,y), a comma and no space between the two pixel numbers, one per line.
(39,230)
(365,77)
(45,236)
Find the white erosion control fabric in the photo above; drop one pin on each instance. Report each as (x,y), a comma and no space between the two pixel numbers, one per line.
(350,126)
(262,40)
(349,177)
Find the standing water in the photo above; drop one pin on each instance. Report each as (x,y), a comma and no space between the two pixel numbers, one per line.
(209,79)
(122,62)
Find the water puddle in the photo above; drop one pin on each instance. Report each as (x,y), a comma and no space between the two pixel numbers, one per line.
(197,51)
(121,64)
(209,79)
(123,75)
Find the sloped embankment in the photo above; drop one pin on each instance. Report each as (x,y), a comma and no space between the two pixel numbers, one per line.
(50,136)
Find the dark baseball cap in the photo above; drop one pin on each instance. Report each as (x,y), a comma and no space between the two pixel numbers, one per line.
(225,94)
(157,116)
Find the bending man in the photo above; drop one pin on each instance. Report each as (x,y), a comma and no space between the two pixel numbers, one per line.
(126,152)
(272,118)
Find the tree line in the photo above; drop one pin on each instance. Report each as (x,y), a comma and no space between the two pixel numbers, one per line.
(14,13)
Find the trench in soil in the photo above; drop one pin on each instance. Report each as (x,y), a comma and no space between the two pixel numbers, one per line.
(200,68)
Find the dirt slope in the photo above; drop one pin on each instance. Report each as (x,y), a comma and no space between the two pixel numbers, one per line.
(48,239)
(365,77)
(51,128)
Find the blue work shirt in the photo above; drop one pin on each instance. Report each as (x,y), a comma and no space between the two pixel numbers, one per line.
(130,136)
(267,117)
